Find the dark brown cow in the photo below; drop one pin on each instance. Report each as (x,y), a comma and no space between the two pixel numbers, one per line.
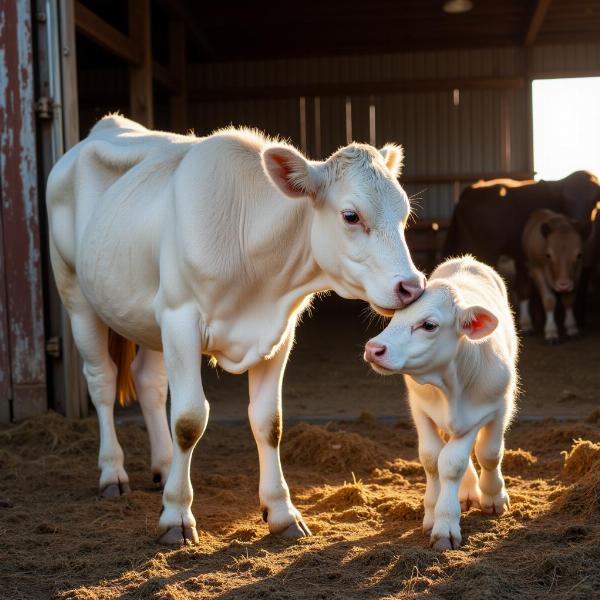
(490,216)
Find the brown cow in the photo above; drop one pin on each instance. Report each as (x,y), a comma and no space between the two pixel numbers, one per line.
(553,248)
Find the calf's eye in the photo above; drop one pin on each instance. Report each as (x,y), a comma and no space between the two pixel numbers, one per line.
(350,217)
(429,326)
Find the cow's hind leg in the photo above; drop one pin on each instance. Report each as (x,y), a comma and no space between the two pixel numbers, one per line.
(91,338)
(150,377)
(264,411)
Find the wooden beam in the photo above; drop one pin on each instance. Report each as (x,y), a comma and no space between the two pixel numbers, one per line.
(360,88)
(140,76)
(177,67)
(536,21)
(463,177)
(103,34)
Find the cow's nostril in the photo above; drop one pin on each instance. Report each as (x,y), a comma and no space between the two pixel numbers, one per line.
(374,350)
(380,351)
(403,292)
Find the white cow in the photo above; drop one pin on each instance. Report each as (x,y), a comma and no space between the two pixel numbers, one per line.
(188,245)
(457,347)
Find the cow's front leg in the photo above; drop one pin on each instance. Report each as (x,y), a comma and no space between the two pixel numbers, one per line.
(549,302)
(430,446)
(452,464)
(489,450)
(264,410)
(181,338)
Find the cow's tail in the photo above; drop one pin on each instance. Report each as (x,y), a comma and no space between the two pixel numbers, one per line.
(122,351)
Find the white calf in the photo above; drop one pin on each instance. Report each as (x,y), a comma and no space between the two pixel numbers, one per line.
(188,245)
(457,347)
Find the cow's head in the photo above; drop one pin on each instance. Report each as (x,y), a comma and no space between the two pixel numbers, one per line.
(564,249)
(581,194)
(422,339)
(360,213)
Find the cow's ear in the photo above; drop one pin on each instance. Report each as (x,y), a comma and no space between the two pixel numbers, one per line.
(290,171)
(545,230)
(477,322)
(393,157)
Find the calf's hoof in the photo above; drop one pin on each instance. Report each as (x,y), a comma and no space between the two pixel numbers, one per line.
(495,505)
(551,341)
(467,503)
(179,536)
(442,544)
(113,490)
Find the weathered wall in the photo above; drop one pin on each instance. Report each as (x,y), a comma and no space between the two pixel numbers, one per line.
(22,351)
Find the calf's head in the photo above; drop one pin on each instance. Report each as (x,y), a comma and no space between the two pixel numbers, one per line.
(424,338)
(564,248)
(359,216)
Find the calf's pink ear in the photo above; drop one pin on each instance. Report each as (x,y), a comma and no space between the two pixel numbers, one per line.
(290,171)
(478,322)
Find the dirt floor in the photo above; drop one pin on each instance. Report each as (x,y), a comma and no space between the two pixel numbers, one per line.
(354,476)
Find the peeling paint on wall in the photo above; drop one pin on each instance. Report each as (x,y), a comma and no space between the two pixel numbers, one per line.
(22,345)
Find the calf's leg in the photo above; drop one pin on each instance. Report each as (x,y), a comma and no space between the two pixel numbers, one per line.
(430,446)
(469,493)
(452,465)
(571,328)
(264,411)
(489,449)
(181,336)
(549,301)
(150,377)
(91,337)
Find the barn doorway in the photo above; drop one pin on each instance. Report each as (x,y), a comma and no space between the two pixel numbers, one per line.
(566,122)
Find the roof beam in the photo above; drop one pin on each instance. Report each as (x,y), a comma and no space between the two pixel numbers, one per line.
(536,21)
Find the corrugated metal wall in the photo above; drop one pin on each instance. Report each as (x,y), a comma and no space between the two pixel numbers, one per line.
(441,138)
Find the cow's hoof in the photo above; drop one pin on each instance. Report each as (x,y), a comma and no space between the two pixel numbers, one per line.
(572,337)
(113,490)
(526,332)
(296,531)
(551,341)
(179,536)
(442,544)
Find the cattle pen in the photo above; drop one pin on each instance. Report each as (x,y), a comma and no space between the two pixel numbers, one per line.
(454,83)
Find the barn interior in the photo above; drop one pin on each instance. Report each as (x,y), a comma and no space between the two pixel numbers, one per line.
(453,88)
(449,80)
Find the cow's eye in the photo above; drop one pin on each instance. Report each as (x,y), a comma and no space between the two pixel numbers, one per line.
(350,217)
(429,326)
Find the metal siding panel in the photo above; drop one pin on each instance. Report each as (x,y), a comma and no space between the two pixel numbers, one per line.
(20,220)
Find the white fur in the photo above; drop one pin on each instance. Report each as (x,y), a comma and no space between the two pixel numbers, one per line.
(461,382)
(195,245)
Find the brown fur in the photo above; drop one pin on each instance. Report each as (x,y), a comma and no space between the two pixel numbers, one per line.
(122,351)
(187,432)
(275,436)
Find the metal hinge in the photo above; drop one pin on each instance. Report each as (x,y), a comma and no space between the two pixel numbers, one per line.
(54,346)
(43,107)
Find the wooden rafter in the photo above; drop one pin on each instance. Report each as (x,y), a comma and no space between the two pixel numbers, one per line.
(99,31)
(536,21)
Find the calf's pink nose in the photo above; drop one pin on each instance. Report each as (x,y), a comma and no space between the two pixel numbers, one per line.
(374,351)
(409,291)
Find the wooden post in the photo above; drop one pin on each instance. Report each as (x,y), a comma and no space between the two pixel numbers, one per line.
(177,66)
(140,76)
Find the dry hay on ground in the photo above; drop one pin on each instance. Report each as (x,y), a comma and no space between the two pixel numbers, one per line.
(363,504)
